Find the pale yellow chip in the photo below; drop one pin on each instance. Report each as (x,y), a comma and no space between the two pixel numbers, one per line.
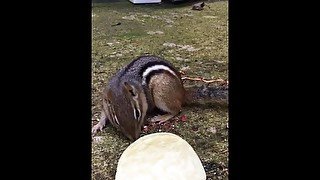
(156,156)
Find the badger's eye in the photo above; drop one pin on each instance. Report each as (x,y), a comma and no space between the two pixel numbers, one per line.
(132,93)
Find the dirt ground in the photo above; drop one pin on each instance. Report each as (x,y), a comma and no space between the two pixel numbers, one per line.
(194,41)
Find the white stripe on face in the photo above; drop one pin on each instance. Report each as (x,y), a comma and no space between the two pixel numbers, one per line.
(155,68)
(116,118)
(135,113)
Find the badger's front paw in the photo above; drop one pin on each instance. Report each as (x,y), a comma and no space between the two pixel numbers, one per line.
(96,128)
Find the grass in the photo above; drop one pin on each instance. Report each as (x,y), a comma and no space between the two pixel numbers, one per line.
(195,41)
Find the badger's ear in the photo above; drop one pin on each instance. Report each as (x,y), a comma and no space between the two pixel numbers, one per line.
(130,89)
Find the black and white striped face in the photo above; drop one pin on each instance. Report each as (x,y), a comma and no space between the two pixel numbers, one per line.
(127,110)
(137,106)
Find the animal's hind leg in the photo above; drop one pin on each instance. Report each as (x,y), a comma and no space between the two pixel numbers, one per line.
(166,97)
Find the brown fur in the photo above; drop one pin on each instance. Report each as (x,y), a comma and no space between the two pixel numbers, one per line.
(160,86)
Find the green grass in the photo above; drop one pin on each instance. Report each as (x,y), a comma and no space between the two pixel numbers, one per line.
(201,44)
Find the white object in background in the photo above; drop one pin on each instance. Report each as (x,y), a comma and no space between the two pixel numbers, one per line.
(160,156)
(144,1)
